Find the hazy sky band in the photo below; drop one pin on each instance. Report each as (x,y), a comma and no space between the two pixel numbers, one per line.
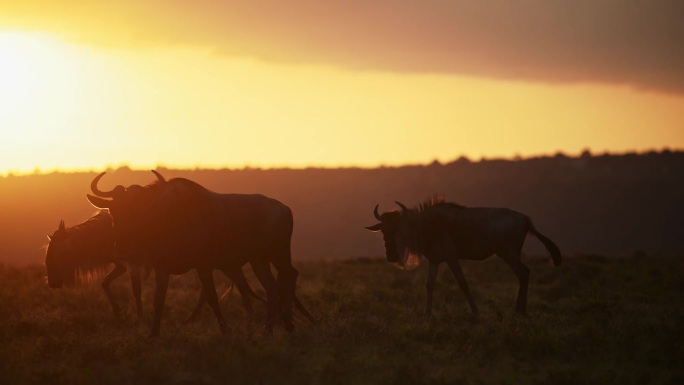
(91,84)
(631,42)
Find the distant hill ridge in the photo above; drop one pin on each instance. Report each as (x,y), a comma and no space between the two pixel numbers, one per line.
(605,203)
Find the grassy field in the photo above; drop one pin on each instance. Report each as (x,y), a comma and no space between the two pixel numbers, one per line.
(594,320)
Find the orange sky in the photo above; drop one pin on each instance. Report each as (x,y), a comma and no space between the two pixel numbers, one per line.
(184,84)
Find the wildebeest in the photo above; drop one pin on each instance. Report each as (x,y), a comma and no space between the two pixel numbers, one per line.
(447,232)
(178,225)
(89,247)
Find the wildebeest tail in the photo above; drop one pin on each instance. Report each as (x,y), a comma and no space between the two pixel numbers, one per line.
(550,246)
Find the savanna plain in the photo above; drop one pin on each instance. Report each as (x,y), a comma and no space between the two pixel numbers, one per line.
(596,319)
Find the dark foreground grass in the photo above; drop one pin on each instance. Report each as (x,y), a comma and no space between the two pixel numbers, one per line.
(594,320)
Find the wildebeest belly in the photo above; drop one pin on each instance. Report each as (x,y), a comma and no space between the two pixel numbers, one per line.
(479,232)
(474,247)
(469,240)
(221,233)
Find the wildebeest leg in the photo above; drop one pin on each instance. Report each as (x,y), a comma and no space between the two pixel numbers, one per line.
(430,285)
(209,291)
(198,307)
(162,284)
(262,270)
(302,309)
(238,277)
(239,280)
(287,281)
(458,273)
(136,286)
(119,269)
(513,259)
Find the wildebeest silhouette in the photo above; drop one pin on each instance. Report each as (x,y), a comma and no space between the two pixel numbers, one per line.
(448,232)
(89,247)
(177,225)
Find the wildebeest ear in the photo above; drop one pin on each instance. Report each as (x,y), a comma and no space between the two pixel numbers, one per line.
(375,227)
(98,202)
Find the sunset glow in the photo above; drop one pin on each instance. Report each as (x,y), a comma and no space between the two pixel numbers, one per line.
(75,94)
(37,73)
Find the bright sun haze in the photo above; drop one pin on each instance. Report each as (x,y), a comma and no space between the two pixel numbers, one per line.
(72,99)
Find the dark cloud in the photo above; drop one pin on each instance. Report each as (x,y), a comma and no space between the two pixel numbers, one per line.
(638,43)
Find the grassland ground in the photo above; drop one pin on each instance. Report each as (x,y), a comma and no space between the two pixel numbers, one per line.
(596,319)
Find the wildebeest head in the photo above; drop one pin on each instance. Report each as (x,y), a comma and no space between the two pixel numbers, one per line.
(127,207)
(395,234)
(60,270)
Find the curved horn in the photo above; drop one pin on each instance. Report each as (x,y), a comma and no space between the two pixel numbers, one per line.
(160,178)
(375,212)
(105,194)
(404,209)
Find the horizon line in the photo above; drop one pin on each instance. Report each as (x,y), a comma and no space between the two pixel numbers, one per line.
(462,158)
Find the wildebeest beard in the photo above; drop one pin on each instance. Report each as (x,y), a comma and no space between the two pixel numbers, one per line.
(80,254)
(409,244)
